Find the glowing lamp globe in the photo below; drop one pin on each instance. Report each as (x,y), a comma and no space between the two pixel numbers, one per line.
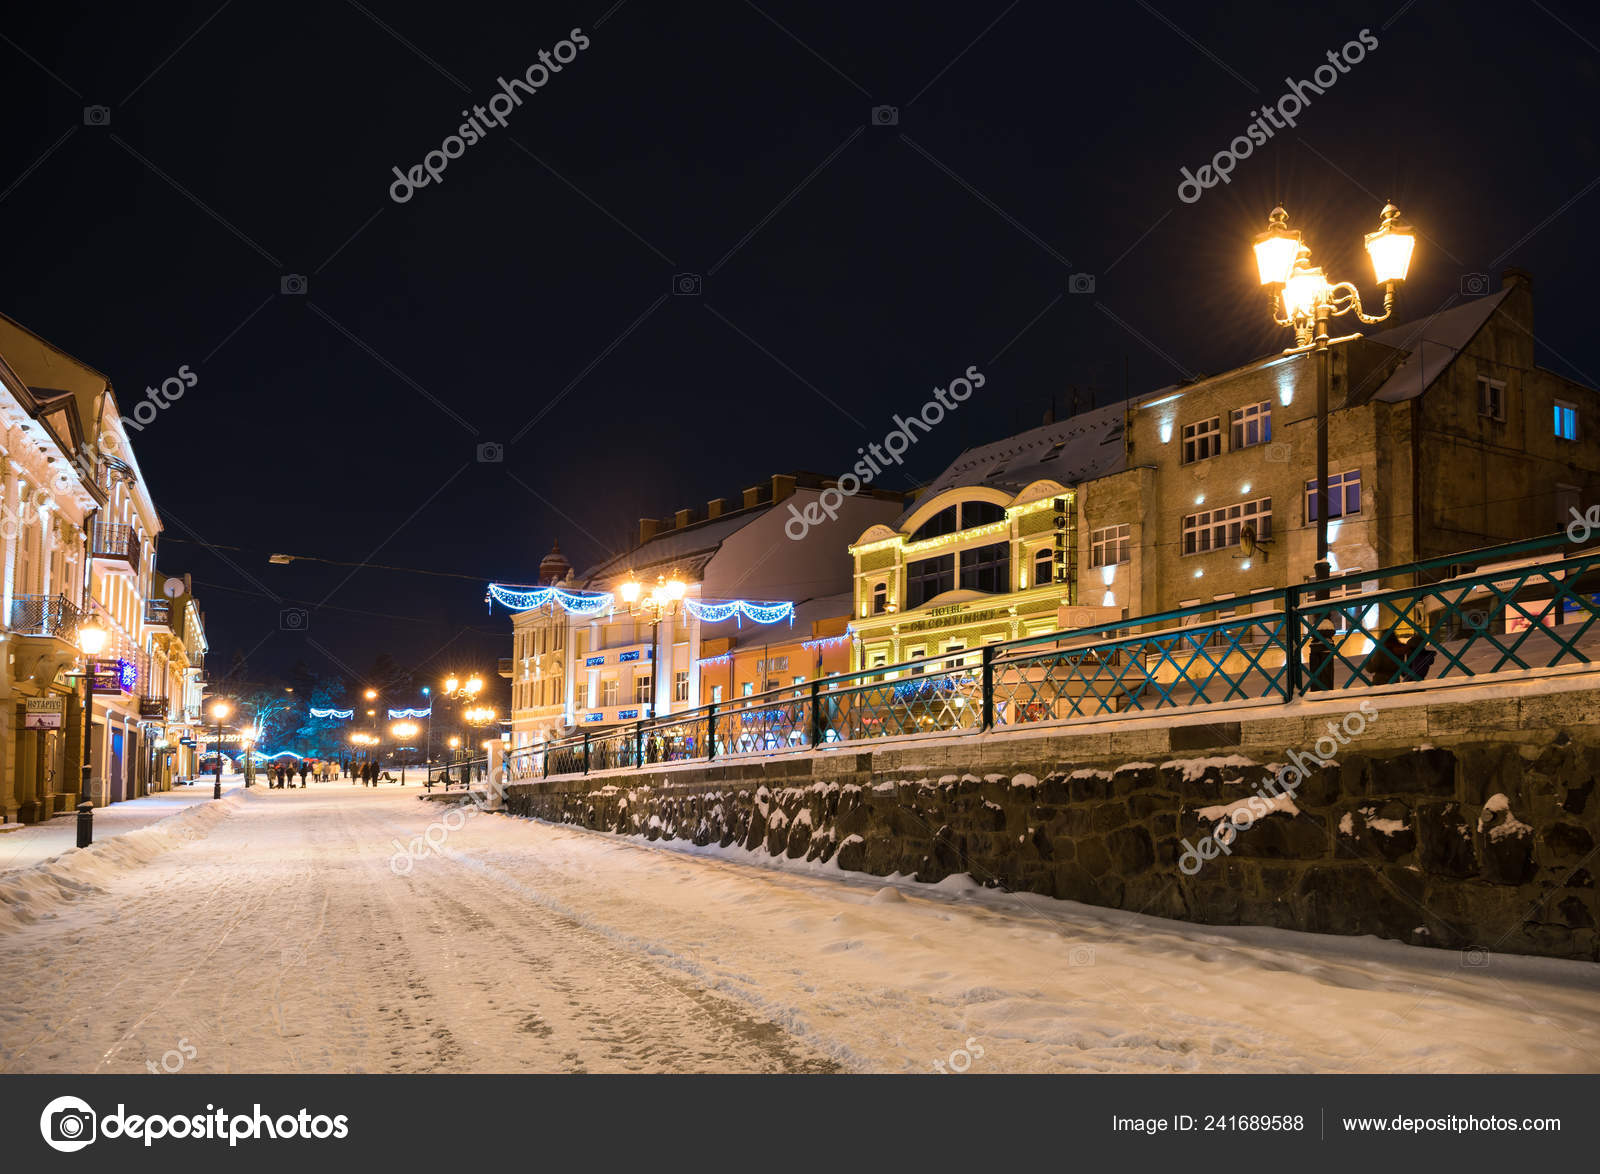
(1390,247)
(630,591)
(1276,249)
(675,589)
(92,638)
(1304,290)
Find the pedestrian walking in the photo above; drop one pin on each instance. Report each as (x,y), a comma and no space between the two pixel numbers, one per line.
(302,774)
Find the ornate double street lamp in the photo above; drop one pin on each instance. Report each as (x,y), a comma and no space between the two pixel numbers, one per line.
(456,691)
(661,603)
(476,717)
(403,731)
(1304,300)
(219,710)
(91,641)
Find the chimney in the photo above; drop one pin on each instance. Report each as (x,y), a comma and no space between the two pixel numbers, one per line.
(682,518)
(647,529)
(782,486)
(716,507)
(752,496)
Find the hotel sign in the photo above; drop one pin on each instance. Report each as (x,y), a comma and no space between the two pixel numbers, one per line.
(44,713)
(955,613)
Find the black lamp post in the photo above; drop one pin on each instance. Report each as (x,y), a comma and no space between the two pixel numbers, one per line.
(91,639)
(219,710)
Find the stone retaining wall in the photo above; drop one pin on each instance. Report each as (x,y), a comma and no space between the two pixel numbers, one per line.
(1477,838)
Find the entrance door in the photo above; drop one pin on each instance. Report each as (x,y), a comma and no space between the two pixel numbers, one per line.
(114,767)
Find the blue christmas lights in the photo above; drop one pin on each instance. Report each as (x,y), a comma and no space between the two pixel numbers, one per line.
(341,714)
(761,613)
(394,713)
(580,603)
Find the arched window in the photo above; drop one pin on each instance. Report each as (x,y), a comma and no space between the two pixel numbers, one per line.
(1044,566)
(981,513)
(943,522)
(880,598)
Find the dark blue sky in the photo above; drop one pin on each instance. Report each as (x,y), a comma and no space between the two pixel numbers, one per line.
(846,267)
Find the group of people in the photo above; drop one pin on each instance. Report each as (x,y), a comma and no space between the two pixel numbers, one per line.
(281,775)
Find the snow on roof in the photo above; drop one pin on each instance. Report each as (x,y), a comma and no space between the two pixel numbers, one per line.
(687,549)
(1430,345)
(1077,449)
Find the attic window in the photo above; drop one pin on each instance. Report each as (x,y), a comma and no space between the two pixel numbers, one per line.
(1055,451)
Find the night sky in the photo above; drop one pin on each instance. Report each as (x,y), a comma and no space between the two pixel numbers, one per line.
(846,267)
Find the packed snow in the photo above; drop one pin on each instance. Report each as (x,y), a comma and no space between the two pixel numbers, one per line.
(342,928)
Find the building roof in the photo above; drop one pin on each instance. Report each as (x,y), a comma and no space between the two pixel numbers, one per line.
(1431,344)
(1071,451)
(686,551)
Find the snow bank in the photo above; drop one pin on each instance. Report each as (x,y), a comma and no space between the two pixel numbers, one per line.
(41,890)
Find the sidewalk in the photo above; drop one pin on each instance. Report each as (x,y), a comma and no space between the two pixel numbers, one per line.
(31,843)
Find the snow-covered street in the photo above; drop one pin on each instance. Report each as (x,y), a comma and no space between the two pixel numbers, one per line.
(292,931)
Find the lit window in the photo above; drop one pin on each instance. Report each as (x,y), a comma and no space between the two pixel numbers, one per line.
(1109,546)
(680,686)
(608,693)
(1252,424)
(747,688)
(1566,420)
(641,689)
(716,693)
(1219,528)
(1344,495)
(1202,439)
(1491,398)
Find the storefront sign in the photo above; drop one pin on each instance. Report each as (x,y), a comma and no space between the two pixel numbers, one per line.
(113,676)
(627,656)
(44,713)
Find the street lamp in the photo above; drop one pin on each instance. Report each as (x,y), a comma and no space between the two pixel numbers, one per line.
(402,731)
(661,602)
(249,734)
(1304,300)
(219,710)
(456,691)
(92,641)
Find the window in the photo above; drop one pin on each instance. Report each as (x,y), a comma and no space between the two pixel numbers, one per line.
(1566,420)
(1344,495)
(987,568)
(1219,528)
(641,689)
(797,680)
(1044,566)
(957,661)
(1252,424)
(1491,398)
(880,598)
(580,694)
(747,688)
(917,654)
(716,694)
(608,692)
(981,513)
(1109,546)
(928,577)
(680,686)
(943,522)
(1202,439)
(1055,451)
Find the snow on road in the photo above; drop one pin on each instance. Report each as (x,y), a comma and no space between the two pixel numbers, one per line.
(292,932)
(21,846)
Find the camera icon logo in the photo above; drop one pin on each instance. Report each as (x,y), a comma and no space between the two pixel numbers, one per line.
(491,452)
(97,116)
(1474,285)
(68,1124)
(1278,452)
(1081,283)
(1475,956)
(687,285)
(1080,956)
(292,283)
(886,116)
(292,619)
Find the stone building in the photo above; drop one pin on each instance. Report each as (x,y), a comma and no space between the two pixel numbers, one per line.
(1443,435)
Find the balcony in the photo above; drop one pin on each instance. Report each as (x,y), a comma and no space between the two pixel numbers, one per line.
(153,709)
(158,614)
(116,547)
(46,631)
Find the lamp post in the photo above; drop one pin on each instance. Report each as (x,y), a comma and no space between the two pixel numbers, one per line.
(91,640)
(219,710)
(402,731)
(457,691)
(476,717)
(1304,300)
(249,734)
(662,602)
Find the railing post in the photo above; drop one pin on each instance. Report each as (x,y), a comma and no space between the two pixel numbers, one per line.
(545,759)
(586,752)
(638,743)
(1291,623)
(988,686)
(711,732)
(816,714)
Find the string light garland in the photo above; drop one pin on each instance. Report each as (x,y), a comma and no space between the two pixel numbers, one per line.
(826,642)
(583,603)
(761,613)
(341,714)
(398,713)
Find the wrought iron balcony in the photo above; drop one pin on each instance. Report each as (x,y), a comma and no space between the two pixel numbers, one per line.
(44,615)
(153,708)
(158,613)
(116,542)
